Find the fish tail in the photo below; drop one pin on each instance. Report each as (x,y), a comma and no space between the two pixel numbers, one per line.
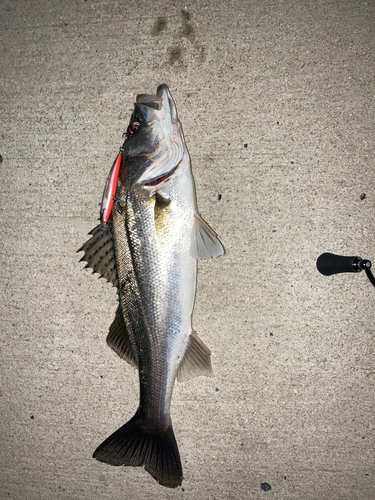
(157,452)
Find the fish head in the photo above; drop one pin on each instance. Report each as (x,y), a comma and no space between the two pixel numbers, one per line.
(154,144)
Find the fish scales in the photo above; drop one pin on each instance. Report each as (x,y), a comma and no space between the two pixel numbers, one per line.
(158,316)
(156,235)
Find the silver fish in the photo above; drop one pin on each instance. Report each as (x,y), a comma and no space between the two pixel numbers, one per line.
(149,251)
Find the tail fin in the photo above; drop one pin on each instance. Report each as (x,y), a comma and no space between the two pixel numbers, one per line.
(130,445)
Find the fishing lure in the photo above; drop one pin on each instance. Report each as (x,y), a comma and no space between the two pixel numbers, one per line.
(111,183)
(110,191)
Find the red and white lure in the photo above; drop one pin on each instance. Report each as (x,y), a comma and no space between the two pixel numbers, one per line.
(109,192)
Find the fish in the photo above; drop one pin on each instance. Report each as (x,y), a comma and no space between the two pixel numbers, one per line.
(148,249)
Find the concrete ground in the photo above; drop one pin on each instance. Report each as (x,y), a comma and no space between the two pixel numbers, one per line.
(277,103)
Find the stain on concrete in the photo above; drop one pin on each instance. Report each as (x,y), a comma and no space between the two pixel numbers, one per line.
(185,43)
(187,29)
(159,26)
(175,54)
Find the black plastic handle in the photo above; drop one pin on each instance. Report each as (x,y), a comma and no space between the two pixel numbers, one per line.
(329,263)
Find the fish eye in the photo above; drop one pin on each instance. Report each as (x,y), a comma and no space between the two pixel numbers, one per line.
(134,128)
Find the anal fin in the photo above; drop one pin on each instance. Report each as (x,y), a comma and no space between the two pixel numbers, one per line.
(118,339)
(196,361)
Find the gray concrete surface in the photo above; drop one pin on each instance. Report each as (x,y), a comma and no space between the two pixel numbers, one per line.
(277,103)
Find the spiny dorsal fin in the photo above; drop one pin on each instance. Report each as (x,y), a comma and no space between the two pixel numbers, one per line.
(100,254)
(118,339)
(205,241)
(196,361)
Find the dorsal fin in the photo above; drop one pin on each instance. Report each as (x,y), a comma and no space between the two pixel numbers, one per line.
(196,361)
(205,241)
(118,339)
(100,254)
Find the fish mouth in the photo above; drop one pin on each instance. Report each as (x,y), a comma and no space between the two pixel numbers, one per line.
(168,102)
(152,101)
(165,163)
(162,101)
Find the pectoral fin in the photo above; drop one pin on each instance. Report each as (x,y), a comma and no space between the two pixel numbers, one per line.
(118,339)
(205,241)
(196,361)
